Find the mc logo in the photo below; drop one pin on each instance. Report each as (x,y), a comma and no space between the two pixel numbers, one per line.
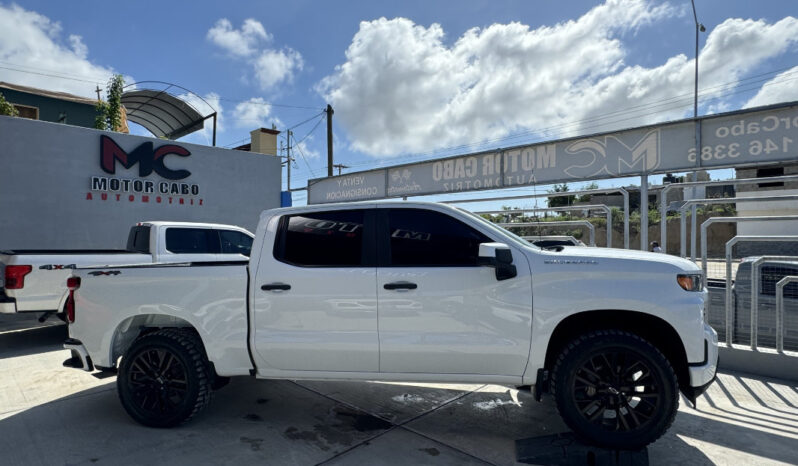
(609,155)
(149,160)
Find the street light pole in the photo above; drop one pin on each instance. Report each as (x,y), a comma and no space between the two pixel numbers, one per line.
(698,28)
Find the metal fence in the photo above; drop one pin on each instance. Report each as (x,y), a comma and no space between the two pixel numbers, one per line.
(749,308)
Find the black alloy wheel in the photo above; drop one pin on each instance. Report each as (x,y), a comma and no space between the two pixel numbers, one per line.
(615,389)
(158,380)
(164,379)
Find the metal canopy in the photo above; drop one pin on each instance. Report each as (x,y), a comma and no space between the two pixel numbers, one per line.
(163,114)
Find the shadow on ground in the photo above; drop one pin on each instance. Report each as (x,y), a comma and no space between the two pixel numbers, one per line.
(34,340)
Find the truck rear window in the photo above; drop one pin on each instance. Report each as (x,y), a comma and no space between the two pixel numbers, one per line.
(192,241)
(139,240)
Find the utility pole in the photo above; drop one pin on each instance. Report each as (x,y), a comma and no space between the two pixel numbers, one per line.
(98,92)
(340,167)
(288,158)
(329,112)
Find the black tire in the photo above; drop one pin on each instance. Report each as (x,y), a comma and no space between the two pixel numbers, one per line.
(615,389)
(163,379)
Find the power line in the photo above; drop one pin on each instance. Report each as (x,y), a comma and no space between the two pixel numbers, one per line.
(270,104)
(312,130)
(682,103)
(88,79)
(305,121)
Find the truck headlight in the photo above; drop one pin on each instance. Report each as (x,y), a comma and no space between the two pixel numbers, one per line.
(690,282)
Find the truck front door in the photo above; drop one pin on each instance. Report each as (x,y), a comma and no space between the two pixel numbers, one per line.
(440,312)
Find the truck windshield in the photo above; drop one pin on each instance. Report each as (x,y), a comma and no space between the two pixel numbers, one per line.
(507,233)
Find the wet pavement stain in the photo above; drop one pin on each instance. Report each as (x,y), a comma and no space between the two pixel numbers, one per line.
(362,422)
(262,401)
(254,443)
(430,451)
(342,426)
(253,417)
(295,434)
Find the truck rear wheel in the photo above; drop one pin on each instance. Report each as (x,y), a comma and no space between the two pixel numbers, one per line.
(615,389)
(163,379)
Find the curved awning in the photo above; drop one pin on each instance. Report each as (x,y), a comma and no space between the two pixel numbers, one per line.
(163,114)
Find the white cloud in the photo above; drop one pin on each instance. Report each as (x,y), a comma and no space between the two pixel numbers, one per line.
(238,42)
(270,66)
(403,90)
(782,88)
(255,113)
(303,149)
(275,66)
(33,43)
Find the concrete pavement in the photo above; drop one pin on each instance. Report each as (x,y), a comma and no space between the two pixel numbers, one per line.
(51,415)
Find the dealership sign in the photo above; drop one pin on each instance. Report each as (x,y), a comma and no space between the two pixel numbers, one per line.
(768,134)
(150,160)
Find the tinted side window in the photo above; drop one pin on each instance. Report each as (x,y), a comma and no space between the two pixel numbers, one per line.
(192,241)
(139,240)
(235,242)
(431,239)
(321,239)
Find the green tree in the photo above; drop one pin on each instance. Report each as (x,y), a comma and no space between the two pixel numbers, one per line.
(109,113)
(560,201)
(587,197)
(6,108)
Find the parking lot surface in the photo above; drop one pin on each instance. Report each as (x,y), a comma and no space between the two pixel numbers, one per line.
(51,415)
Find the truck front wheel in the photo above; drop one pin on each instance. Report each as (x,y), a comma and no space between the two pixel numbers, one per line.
(163,379)
(615,389)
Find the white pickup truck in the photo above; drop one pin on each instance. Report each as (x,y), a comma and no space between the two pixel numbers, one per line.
(35,280)
(405,291)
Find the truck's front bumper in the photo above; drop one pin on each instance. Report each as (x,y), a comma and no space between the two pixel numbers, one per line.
(7,305)
(80,357)
(703,373)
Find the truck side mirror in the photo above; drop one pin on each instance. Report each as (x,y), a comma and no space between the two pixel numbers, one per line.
(498,256)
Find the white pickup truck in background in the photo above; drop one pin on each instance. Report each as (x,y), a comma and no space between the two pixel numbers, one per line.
(35,280)
(411,292)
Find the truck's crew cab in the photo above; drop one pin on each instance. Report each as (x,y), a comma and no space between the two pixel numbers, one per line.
(35,280)
(406,292)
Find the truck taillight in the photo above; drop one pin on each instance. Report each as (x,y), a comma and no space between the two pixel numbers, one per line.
(15,276)
(73,283)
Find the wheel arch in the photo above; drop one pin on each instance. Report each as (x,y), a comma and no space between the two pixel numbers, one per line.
(134,327)
(654,329)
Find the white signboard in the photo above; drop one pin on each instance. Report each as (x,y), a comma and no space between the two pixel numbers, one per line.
(733,139)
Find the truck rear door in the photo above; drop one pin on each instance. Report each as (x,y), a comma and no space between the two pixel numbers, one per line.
(315,299)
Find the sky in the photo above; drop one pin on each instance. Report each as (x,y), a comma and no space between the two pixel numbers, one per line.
(413,80)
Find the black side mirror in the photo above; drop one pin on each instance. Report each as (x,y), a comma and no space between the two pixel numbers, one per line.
(498,256)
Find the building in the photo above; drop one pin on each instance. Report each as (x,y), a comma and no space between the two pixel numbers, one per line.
(55,107)
(66,187)
(768,208)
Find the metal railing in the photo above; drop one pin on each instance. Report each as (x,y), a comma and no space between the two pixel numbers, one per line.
(728,304)
(755,266)
(590,228)
(663,202)
(623,192)
(780,310)
(721,200)
(601,207)
(708,222)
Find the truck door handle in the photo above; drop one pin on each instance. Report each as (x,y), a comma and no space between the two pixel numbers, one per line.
(400,286)
(276,287)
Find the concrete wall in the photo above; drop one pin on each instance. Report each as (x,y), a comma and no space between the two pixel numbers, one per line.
(47,200)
